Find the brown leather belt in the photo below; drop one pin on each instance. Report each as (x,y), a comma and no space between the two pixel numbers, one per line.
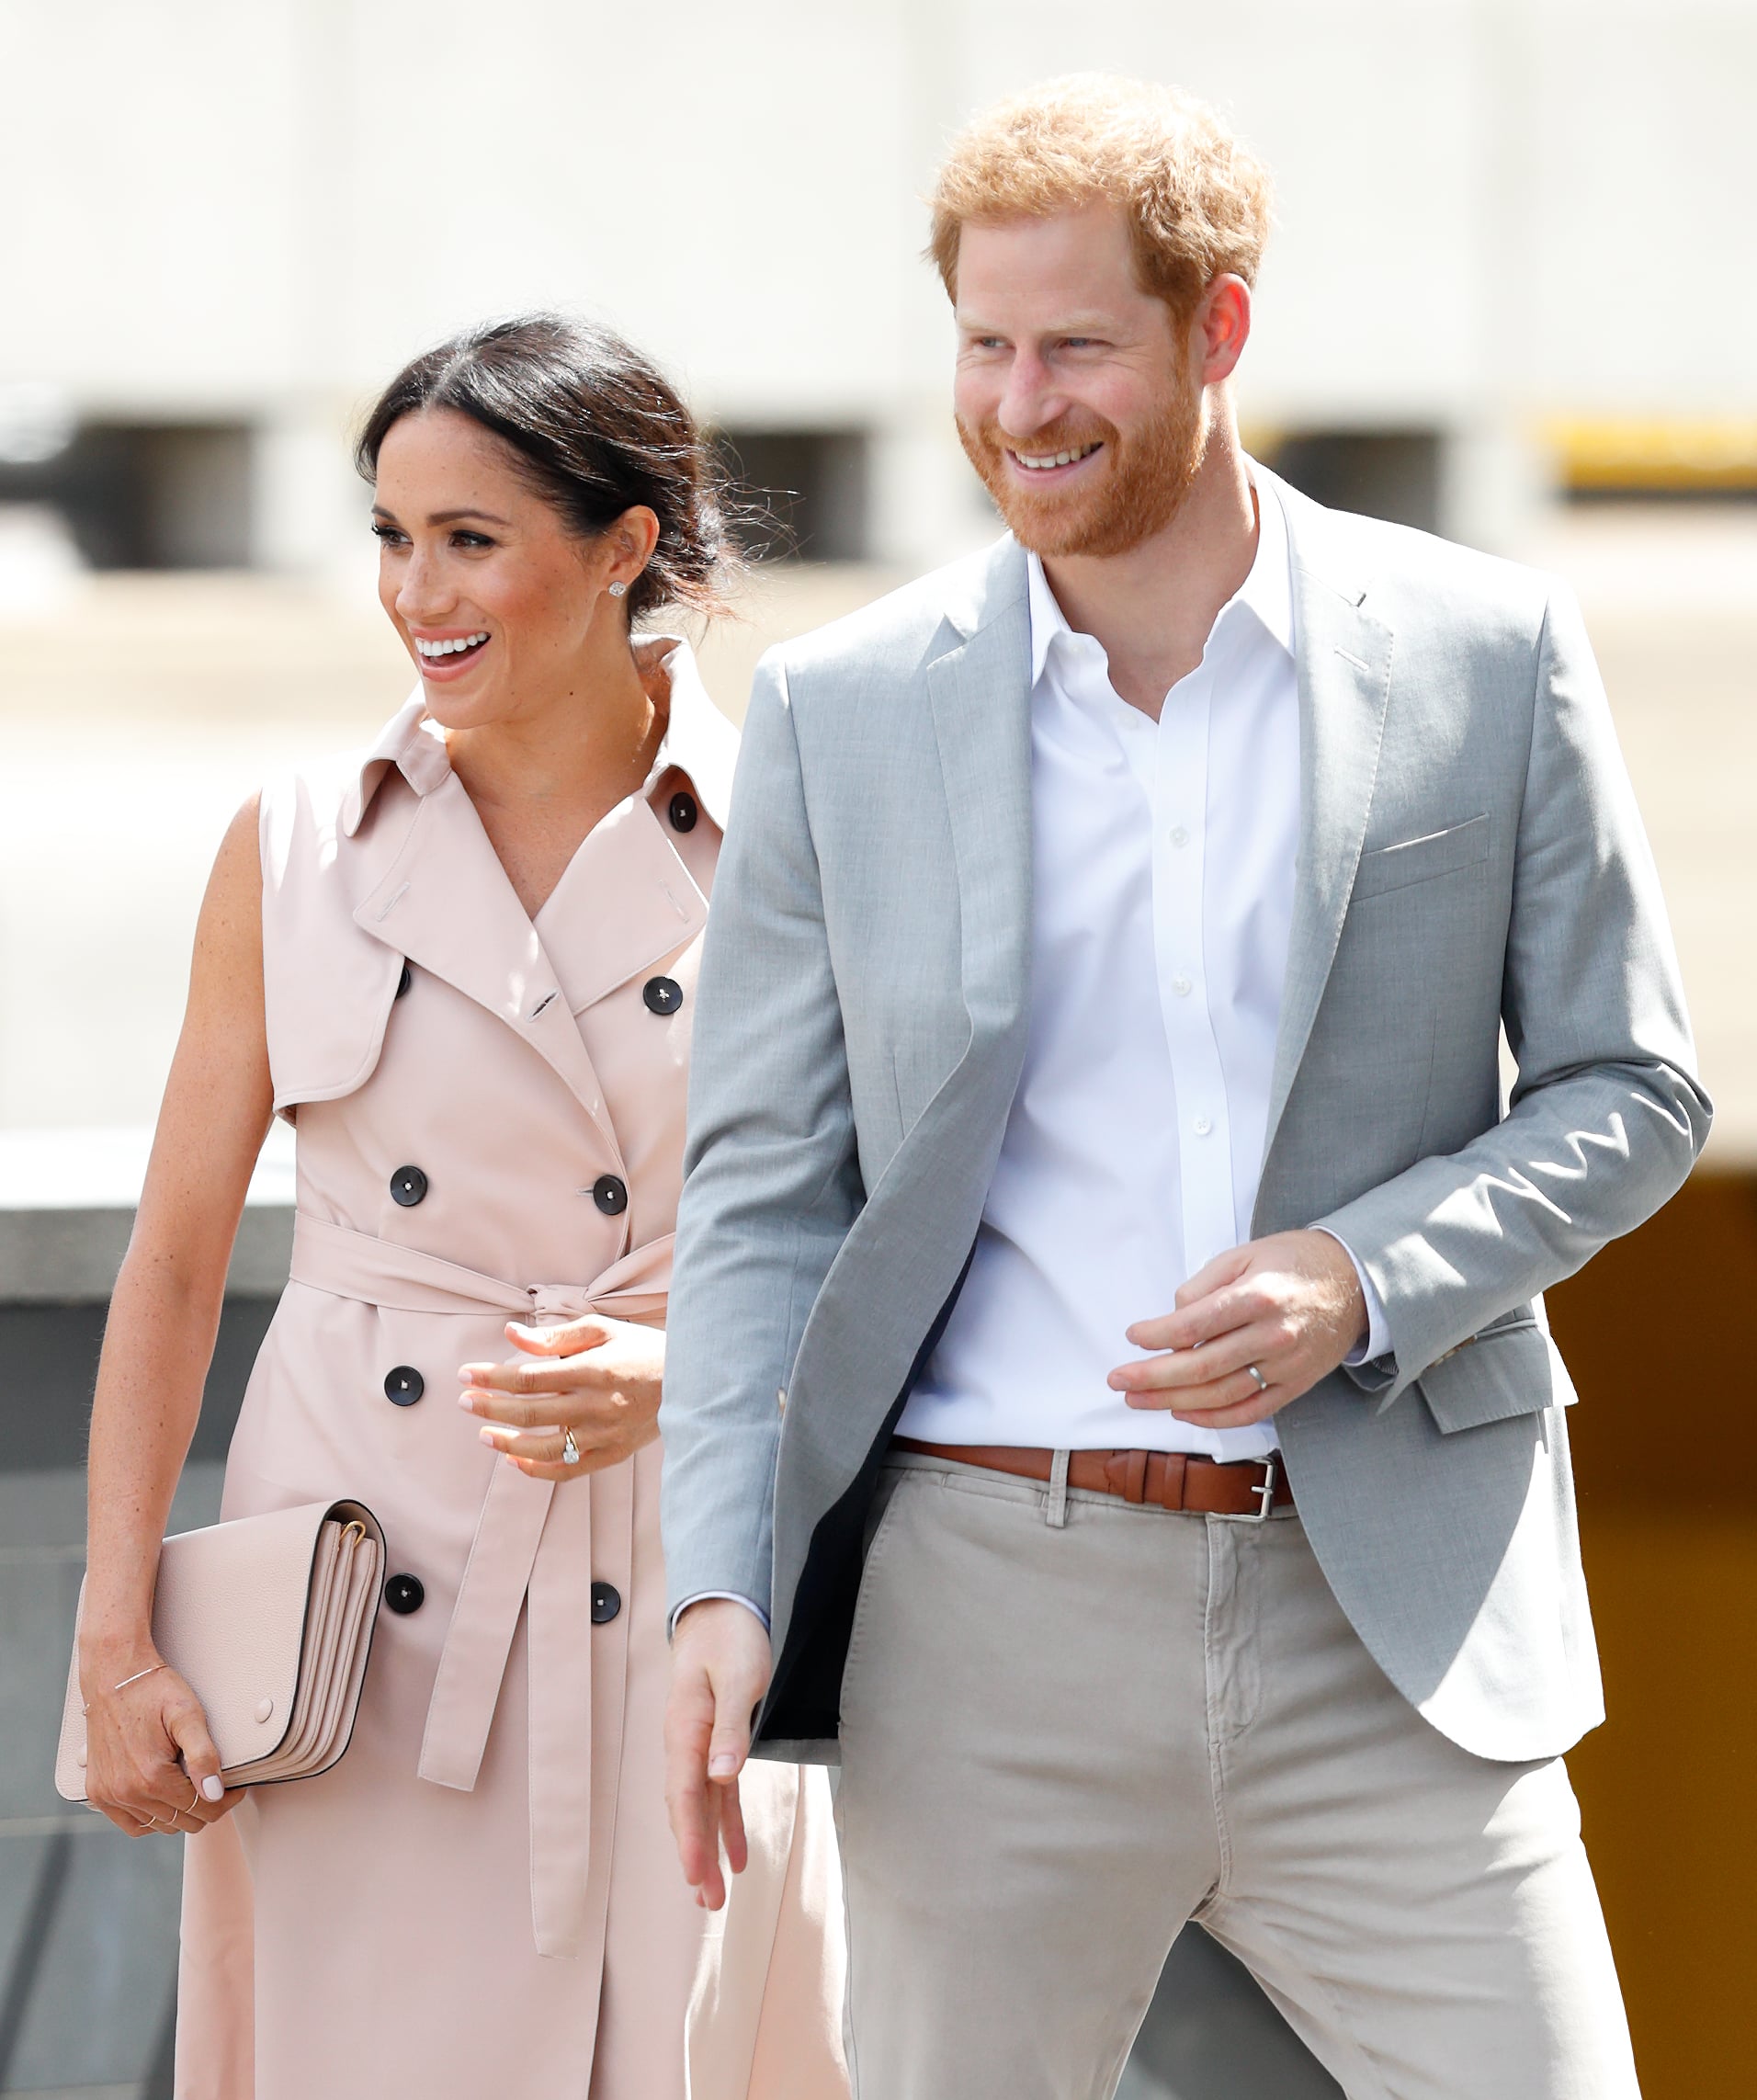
(1170,1480)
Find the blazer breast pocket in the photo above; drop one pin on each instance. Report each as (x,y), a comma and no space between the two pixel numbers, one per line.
(1421,860)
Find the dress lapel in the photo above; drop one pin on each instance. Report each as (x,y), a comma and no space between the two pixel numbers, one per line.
(444,903)
(625,900)
(1345,670)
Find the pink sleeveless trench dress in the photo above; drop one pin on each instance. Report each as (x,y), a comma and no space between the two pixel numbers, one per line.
(481,1900)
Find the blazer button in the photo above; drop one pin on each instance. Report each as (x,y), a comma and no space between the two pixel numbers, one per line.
(404,981)
(610,1194)
(683,811)
(408,1186)
(403,1386)
(663,994)
(404,1593)
(606,1601)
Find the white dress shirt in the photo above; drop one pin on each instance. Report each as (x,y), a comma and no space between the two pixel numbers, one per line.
(1164,902)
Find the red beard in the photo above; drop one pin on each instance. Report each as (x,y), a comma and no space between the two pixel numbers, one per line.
(1142,484)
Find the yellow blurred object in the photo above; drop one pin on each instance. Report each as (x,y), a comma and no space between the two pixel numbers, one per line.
(1671,455)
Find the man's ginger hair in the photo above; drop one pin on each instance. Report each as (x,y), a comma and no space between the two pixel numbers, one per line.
(1195,197)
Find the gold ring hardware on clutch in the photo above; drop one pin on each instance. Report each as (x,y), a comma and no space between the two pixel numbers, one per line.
(354,1529)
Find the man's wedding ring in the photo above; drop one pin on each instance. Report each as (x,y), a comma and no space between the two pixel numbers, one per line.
(1263,1383)
(569,1450)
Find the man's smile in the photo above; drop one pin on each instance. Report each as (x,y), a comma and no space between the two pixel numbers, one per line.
(1045,463)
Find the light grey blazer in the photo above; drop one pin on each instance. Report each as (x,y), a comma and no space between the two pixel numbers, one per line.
(1469,856)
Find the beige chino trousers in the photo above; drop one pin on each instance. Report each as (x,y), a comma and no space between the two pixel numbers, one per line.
(1070,1724)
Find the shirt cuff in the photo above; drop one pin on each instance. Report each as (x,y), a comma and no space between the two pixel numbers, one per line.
(1378,1336)
(731,1597)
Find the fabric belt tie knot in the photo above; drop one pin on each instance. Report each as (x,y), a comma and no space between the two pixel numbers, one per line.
(508,1568)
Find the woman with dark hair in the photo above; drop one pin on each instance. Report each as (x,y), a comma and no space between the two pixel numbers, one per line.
(462,967)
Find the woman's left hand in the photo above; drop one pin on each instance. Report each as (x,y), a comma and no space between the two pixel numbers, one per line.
(599,1378)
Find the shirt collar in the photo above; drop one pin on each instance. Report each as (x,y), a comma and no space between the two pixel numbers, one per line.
(1267,591)
(699,740)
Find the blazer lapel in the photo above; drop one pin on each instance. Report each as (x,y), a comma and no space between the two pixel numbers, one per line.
(444,903)
(1344,667)
(979,690)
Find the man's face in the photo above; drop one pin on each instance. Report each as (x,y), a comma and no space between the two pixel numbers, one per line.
(1077,400)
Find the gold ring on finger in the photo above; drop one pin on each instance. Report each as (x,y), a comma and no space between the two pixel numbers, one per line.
(569,1450)
(1263,1383)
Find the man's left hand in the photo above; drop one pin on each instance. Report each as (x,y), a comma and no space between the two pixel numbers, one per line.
(1290,1305)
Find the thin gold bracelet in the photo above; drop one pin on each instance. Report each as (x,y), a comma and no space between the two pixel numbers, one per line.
(86,1705)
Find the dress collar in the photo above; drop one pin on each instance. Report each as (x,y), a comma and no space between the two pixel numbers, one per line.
(1266,591)
(699,740)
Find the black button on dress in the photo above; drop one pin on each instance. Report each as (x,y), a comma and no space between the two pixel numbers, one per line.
(403,1386)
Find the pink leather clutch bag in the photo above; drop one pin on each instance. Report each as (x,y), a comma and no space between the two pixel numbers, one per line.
(270,1620)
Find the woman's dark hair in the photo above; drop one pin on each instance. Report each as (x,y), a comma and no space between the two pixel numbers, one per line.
(596,429)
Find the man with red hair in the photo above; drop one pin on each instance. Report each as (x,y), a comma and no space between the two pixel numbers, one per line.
(1109,1408)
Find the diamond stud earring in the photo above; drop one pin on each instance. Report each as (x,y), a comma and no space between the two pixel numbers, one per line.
(618,589)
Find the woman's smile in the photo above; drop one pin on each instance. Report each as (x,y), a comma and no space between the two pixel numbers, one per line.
(446,655)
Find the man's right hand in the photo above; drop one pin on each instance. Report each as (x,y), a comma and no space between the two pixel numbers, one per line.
(719,1670)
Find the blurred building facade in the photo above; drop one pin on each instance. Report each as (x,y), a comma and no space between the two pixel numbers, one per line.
(1503,261)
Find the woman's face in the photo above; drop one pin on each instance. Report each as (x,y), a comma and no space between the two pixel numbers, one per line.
(496,600)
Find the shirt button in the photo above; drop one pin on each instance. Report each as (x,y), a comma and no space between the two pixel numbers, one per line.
(1179,835)
(1202,1126)
(606,1601)
(610,1194)
(403,1386)
(404,981)
(681,811)
(408,1186)
(663,994)
(404,1593)
(1182,986)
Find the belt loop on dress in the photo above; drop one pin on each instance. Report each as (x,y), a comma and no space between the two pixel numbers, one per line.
(1056,1514)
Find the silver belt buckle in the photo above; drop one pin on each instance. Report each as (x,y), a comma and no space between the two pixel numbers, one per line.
(1265,1492)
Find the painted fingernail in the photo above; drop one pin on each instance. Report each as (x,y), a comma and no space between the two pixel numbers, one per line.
(213,1788)
(721,1767)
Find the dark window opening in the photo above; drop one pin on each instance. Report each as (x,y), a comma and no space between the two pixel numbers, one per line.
(804,494)
(1393,474)
(147,495)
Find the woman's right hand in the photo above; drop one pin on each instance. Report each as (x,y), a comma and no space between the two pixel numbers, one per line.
(150,1762)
